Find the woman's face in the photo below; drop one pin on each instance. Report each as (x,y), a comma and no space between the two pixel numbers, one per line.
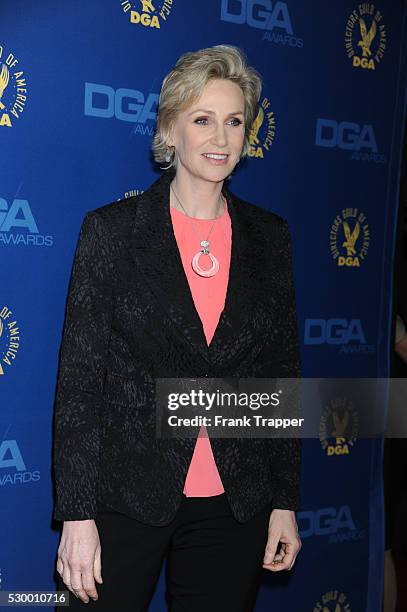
(213,124)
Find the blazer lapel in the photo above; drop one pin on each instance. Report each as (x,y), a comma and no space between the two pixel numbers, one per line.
(155,250)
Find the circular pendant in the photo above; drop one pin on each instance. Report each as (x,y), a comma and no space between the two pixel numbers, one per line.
(197,268)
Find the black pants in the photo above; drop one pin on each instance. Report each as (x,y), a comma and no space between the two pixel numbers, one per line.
(213,561)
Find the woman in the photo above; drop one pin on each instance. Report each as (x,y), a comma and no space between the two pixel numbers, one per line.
(185,280)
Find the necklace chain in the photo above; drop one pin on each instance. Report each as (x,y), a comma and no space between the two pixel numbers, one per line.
(192,223)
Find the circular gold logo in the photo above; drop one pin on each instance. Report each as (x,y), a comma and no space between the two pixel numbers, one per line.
(338,427)
(349,238)
(333,601)
(263,130)
(365,36)
(147,13)
(9,338)
(13,89)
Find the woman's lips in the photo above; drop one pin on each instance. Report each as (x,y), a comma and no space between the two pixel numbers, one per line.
(216,162)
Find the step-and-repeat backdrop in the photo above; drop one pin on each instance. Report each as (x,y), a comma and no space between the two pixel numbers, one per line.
(79,86)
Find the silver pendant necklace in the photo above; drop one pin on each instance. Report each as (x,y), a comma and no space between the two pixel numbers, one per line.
(204,244)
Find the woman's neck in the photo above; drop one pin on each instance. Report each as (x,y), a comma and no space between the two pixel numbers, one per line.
(201,199)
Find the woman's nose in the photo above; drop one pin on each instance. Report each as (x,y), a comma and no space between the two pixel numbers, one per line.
(220,137)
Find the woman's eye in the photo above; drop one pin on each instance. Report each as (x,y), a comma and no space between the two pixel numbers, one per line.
(205,119)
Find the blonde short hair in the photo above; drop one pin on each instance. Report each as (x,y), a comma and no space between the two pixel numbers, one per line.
(185,82)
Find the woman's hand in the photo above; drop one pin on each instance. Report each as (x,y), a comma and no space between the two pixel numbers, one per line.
(401,348)
(282,528)
(79,558)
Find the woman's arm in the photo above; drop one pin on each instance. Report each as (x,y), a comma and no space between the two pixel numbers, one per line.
(285,453)
(283,543)
(81,373)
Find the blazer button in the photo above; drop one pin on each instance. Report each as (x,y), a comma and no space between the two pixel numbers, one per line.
(206,375)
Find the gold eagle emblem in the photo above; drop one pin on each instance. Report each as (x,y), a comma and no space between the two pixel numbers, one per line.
(253,136)
(340,424)
(4,79)
(367,37)
(351,238)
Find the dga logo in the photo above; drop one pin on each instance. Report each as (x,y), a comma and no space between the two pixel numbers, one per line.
(365,36)
(349,239)
(263,130)
(359,139)
(9,338)
(19,215)
(146,12)
(273,17)
(124,104)
(336,524)
(13,469)
(333,601)
(339,427)
(13,89)
(347,334)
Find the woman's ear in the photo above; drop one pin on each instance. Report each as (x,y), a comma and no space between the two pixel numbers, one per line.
(169,136)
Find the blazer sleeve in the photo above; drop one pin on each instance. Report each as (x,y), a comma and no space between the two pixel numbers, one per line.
(85,339)
(286,453)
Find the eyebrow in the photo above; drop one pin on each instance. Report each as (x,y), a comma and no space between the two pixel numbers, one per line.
(203,110)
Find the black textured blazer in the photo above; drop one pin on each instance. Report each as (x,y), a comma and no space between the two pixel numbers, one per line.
(130,318)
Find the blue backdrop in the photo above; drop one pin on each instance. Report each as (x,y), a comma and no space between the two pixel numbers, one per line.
(79,86)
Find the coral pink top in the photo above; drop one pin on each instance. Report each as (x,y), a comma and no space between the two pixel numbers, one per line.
(209,295)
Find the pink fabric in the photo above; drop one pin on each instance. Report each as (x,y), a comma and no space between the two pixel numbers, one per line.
(208,293)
